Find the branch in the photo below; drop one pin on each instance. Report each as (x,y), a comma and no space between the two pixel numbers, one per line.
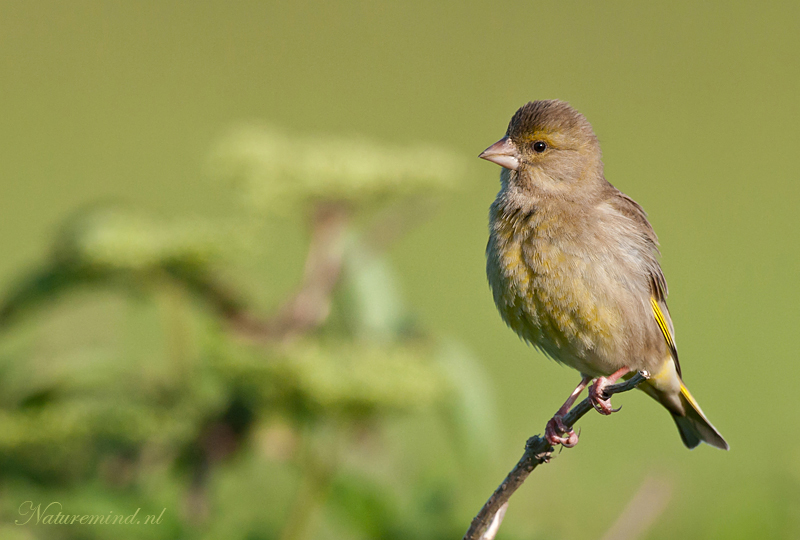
(309,307)
(537,451)
(311,304)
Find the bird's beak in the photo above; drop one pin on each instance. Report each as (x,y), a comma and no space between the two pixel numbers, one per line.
(504,152)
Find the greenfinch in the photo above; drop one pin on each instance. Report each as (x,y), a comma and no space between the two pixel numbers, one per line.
(573,265)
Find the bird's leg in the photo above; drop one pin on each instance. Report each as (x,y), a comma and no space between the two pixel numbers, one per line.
(556,432)
(597,391)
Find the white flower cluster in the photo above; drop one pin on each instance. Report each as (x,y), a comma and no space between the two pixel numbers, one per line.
(279,172)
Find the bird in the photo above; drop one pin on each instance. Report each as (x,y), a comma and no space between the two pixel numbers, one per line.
(573,266)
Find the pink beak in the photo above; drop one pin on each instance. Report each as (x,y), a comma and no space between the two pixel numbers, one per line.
(504,152)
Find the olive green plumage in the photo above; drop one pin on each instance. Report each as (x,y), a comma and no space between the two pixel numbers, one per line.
(573,262)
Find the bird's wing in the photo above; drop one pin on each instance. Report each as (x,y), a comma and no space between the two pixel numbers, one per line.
(661,314)
(658,283)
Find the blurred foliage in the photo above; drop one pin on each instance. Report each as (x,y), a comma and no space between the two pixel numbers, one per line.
(275,172)
(240,424)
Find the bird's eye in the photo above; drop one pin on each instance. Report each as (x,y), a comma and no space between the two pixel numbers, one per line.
(539,147)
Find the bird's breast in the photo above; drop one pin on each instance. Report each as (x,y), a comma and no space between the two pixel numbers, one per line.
(546,287)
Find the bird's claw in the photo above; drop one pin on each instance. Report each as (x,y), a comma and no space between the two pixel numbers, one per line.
(600,401)
(603,406)
(556,432)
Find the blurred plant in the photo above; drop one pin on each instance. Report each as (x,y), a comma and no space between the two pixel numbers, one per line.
(242,425)
(278,174)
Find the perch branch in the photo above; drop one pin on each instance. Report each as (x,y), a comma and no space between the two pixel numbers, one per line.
(537,451)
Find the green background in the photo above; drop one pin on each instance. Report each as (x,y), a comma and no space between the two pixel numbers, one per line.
(696,107)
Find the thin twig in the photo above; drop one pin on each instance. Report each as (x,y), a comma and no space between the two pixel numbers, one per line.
(309,307)
(537,451)
(311,304)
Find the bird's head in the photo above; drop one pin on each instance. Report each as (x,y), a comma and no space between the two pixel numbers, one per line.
(550,145)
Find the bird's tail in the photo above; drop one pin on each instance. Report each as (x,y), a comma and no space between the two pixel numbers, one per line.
(668,389)
(693,425)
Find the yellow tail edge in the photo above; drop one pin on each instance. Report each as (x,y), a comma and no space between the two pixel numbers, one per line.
(693,425)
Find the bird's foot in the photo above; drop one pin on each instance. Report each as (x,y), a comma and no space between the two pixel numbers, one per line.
(556,432)
(597,395)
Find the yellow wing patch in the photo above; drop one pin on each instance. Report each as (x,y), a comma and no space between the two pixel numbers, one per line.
(664,327)
(662,323)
